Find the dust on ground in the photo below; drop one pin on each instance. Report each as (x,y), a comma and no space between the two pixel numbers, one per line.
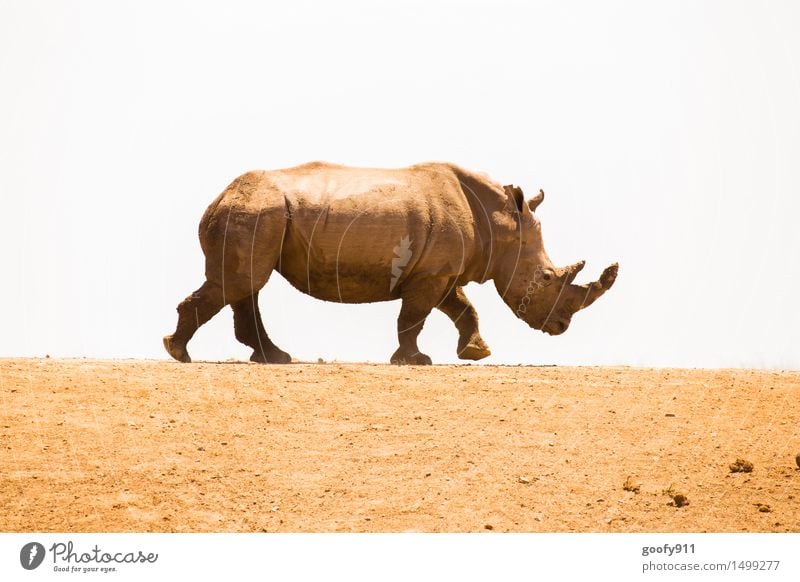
(151,446)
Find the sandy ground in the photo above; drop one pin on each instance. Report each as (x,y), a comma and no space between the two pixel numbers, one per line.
(160,446)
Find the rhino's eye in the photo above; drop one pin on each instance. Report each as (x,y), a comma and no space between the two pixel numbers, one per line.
(544,277)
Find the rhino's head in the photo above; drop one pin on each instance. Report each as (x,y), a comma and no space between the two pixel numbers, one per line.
(541,294)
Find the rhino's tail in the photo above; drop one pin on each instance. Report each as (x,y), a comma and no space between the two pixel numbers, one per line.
(205,222)
(241,235)
(210,227)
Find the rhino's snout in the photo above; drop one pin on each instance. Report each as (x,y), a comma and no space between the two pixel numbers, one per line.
(555,326)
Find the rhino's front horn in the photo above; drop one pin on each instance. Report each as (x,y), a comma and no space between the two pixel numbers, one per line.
(572,271)
(592,291)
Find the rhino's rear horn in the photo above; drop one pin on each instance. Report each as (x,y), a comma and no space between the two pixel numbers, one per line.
(572,271)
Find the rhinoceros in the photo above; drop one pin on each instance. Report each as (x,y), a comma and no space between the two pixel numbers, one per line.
(359,235)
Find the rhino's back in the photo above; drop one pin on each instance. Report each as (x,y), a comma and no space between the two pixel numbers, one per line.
(356,234)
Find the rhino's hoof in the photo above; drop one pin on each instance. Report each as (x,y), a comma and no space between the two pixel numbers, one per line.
(271,356)
(402,359)
(177,352)
(474,351)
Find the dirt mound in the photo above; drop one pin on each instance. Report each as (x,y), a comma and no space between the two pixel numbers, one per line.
(160,446)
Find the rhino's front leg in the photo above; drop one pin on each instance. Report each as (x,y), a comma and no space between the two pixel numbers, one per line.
(458,308)
(419,298)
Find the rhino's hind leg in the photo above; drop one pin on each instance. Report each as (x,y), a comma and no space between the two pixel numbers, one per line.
(250,331)
(193,312)
(458,308)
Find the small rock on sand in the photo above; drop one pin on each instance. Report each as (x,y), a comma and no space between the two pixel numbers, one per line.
(741,466)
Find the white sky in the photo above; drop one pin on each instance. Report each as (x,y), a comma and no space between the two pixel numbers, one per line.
(666,135)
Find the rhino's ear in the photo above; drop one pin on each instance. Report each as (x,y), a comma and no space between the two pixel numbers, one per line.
(534,202)
(515,193)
